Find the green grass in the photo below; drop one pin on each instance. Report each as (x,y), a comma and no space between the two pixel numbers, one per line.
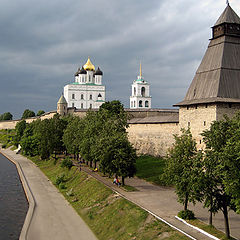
(108,215)
(6,137)
(150,168)
(208,228)
(129,188)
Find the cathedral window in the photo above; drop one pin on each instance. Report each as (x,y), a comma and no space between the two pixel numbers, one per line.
(82,96)
(81,105)
(146,104)
(134,91)
(90,97)
(90,105)
(134,104)
(143,91)
(72,104)
(140,103)
(73,96)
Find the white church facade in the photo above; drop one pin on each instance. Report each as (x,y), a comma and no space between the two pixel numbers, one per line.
(140,97)
(87,90)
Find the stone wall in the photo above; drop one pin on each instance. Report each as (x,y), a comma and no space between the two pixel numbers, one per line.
(153,139)
(197,118)
(229,109)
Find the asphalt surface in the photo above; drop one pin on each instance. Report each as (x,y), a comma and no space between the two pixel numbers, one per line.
(50,216)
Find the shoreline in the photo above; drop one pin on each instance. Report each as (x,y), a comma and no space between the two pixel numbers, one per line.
(49,215)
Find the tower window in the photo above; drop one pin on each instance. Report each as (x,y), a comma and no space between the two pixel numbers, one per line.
(188,124)
(90,105)
(134,91)
(143,91)
(90,97)
(146,104)
(99,95)
(81,105)
(82,96)
(134,104)
(73,96)
(72,104)
(140,103)
(204,123)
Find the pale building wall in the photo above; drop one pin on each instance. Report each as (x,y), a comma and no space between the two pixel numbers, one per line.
(197,119)
(153,139)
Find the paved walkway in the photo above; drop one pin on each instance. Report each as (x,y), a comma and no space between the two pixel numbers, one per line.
(162,201)
(50,216)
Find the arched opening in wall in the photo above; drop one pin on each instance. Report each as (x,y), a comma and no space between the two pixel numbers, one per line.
(143,91)
(72,104)
(90,97)
(82,96)
(134,91)
(131,104)
(99,95)
(134,104)
(90,105)
(140,103)
(146,104)
(81,105)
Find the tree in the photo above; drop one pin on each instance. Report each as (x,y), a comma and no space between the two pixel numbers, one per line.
(220,163)
(40,112)
(20,127)
(6,116)
(183,168)
(27,114)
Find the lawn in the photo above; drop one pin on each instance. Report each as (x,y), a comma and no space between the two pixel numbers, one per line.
(150,168)
(108,215)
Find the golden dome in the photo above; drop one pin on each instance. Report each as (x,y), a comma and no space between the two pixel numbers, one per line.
(89,66)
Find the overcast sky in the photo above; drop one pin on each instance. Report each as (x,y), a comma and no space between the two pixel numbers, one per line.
(42,43)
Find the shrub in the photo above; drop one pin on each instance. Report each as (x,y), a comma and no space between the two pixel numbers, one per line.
(4,145)
(186,214)
(62,186)
(67,163)
(60,179)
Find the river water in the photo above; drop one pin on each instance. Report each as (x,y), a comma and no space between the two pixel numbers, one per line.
(13,202)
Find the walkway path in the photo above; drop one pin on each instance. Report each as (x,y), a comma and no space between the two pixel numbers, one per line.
(162,201)
(50,216)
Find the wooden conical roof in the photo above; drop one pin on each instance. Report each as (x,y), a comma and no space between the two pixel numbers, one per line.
(218,76)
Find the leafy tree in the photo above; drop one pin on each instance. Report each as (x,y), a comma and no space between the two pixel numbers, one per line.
(20,127)
(6,116)
(184,169)
(40,112)
(27,114)
(220,165)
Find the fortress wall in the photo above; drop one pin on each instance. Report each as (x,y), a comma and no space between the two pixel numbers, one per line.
(229,110)
(153,139)
(8,124)
(198,119)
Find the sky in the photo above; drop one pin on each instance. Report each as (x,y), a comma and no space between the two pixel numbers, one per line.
(42,43)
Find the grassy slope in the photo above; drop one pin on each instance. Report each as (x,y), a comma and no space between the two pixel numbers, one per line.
(150,168)
(107,214)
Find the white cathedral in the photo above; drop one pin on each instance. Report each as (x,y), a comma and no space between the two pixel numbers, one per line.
(140,93)
(87,90)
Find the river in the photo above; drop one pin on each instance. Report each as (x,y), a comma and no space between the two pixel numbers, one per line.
(13,202)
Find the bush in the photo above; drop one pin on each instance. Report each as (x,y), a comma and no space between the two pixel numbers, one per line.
(67,163)
(186,214)
(62,186)
(60,179)
(4,145)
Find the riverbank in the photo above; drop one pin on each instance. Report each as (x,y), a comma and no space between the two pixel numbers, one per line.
(49,216)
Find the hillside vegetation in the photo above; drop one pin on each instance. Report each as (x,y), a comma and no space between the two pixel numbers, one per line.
(108,215)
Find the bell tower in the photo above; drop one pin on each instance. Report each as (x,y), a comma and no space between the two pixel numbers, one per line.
(140,97)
